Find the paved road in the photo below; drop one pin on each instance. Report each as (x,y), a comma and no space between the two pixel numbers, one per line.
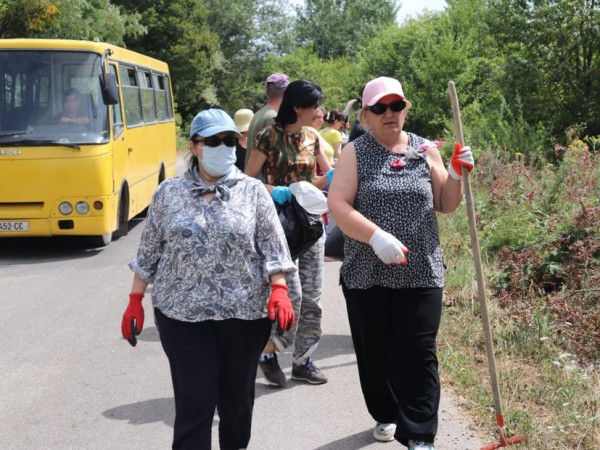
(69,381)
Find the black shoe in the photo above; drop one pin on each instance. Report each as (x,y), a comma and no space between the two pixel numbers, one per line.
(272,372)
(308,372)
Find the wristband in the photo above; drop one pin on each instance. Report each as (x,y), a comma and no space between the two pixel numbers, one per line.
(137,296)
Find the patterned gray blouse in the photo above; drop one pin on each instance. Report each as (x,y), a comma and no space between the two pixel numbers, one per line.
(394,192)
(212,260)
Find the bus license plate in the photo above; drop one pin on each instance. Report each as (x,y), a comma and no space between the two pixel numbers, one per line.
(14,226)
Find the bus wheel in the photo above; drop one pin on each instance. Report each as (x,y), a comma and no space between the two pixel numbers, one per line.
(161,174)
(123,222)
(102,240)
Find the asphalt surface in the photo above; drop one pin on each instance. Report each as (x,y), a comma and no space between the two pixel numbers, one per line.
(69,380)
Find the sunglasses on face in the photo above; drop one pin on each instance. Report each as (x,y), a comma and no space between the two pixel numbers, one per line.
(215,141)
(380,108)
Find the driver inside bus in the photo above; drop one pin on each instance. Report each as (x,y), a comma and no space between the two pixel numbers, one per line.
(72,112)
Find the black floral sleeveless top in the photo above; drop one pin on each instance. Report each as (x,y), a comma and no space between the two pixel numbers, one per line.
(394,192)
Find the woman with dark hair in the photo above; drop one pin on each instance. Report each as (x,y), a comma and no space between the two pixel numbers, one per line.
(214,249)
(332,133)
(285,152)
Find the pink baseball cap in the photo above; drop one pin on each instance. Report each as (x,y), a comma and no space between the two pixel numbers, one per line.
(379,88)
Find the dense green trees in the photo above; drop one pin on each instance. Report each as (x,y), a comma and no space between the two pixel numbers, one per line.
(215,48)
(526,71)
(68,19)
(336,27)
(179,33)
(552,63)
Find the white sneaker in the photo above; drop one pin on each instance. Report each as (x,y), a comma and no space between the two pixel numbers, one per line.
(420,445)
(384,432)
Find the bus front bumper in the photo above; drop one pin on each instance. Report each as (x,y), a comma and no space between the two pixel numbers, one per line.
(56,226)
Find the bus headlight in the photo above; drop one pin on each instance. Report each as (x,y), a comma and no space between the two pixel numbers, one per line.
(82,208)
(65,208)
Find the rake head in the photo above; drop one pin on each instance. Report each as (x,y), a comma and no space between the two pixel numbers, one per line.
(505,441)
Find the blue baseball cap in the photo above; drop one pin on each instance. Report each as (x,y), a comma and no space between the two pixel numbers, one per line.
(212,121)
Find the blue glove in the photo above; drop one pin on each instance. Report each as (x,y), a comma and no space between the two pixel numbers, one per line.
(329,175)
(281,195)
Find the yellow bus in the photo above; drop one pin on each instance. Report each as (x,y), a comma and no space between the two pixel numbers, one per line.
(86,135)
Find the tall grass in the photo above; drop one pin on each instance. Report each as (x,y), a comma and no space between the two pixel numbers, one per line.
(538,214)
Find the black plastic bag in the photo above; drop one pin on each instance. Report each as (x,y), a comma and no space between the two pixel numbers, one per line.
(301,228)
(334,244)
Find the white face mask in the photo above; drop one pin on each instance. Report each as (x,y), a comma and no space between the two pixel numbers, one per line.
(218,161)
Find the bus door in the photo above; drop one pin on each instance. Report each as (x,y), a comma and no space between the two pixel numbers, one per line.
(119,143)
(120,159)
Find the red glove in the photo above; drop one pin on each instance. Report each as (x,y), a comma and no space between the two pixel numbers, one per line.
(280,301)
(133,318)
(462,157)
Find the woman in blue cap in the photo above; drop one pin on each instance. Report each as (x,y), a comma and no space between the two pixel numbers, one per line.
(214,249)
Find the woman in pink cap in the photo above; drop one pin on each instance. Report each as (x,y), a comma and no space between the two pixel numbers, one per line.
(387,188)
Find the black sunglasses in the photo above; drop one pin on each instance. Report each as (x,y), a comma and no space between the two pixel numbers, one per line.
(215,141)
(380,108)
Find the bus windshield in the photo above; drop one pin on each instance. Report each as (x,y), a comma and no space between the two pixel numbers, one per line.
(51,98)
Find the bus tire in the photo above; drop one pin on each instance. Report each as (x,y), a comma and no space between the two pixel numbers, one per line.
(161,174)
(122,220)
(102,240)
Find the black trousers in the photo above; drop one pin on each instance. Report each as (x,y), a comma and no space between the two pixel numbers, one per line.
(394,333)
(213,365)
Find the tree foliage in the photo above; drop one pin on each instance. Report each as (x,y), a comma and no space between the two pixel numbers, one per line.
(337,27)
(552,53)
(26,18)
(529,66)
(333,76)
(214,48)
(242,48)
(179,34)
(272,20)
(69,19)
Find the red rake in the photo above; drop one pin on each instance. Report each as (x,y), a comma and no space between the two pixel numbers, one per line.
(505,440)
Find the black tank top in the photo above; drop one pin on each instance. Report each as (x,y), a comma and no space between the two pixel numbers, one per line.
(400,201)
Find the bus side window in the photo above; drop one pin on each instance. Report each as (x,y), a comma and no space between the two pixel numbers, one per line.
(169,99)
(160,93)
(148,107)
(116,109)
(131,96)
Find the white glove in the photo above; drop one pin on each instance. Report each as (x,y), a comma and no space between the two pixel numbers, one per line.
(387,248)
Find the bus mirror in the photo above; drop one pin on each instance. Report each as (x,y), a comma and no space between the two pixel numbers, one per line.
(109,88)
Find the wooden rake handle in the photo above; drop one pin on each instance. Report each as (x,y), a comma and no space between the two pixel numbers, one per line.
(481,289)
(505,440)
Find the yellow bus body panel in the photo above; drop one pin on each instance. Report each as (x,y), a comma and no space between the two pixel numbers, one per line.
(33,185)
